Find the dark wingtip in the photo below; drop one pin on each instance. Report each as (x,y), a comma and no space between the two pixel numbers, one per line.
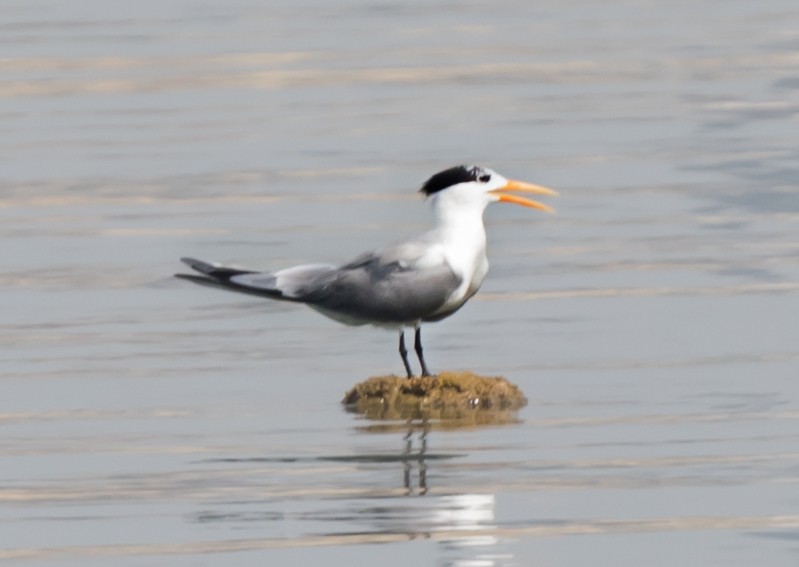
(192,262)
(193,278)
(205,268)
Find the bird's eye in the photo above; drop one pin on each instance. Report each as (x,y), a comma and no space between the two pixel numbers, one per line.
(485,178)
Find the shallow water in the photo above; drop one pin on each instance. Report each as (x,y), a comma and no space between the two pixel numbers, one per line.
(651,322)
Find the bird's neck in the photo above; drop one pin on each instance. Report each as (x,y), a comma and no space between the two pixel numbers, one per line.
(460,221)
(462,233)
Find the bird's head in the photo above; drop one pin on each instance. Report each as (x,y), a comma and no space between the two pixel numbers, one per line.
(467,186)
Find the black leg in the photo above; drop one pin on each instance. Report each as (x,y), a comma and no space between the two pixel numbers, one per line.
(404,354)
(418,347)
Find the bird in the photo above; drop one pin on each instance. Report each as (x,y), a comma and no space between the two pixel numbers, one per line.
(422,279)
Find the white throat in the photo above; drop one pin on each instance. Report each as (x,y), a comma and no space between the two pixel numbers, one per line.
(461,233)
(459,220)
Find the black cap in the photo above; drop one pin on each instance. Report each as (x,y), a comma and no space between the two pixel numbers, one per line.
(453,176)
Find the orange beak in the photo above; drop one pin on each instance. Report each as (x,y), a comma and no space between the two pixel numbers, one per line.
(523,187)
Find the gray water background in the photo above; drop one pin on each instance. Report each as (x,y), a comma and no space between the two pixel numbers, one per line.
(652,322)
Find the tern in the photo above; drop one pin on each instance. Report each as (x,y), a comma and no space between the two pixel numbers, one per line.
(420,280)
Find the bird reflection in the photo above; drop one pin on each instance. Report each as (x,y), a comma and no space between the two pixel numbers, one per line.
(461,521)
(418,457)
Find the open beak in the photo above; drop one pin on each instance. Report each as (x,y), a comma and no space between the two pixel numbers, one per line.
(523,187)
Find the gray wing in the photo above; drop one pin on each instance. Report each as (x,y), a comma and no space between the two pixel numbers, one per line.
(387,286)
(290,284)
(400,284)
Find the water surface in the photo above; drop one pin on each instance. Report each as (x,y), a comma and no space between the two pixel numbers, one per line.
(651,322)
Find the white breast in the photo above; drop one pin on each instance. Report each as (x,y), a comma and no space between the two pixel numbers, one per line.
(466,255)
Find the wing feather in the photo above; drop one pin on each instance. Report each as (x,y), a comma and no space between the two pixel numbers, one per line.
(383,289)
